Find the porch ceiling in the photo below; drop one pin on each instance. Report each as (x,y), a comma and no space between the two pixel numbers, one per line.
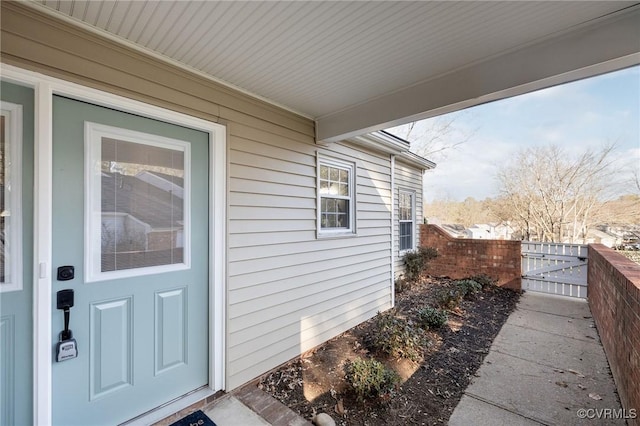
(356,66)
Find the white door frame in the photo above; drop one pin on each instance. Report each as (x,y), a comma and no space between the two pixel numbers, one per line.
(45,87)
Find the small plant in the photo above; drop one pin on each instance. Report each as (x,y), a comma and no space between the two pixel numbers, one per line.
(449,298)
(484,280)
(468,288)
(402,284)
(397,337)
(370,378)
(432,317)
(417,261)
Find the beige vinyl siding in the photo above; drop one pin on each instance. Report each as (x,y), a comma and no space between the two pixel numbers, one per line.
(407,178)
(289,290)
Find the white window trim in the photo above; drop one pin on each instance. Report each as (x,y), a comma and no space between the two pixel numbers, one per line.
(93,134)
(352,168)
(412,194)
(13,196)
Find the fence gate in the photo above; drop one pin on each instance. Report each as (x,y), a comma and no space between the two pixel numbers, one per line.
(555,268)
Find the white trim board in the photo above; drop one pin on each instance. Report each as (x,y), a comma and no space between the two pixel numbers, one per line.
(45,87)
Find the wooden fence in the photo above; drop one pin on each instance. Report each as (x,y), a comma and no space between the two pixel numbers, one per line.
(555,268)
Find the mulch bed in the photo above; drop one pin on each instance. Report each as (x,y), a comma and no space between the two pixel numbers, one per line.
(430,389)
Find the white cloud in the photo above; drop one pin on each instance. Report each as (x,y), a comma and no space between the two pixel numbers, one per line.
(469,171)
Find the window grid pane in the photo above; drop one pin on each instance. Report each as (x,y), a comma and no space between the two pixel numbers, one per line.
(142,205)
(405,216)
(335,197)
(406,236)
(334,181)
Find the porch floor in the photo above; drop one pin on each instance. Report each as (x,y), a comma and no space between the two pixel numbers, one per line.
(545,367)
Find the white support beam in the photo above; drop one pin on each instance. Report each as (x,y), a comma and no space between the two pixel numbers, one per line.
(605,45)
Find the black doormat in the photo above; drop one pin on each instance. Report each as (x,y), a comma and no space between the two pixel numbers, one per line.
(195,419)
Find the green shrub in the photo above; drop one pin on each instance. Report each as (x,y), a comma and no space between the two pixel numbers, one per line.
(484,280)
(370,378)
(397,337)
(449,298)
(417,261)
(432,317)
(467,288)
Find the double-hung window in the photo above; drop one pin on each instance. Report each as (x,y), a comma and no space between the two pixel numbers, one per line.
(335,196)
(406,207)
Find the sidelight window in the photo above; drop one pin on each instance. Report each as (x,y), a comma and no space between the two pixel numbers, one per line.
(10,197)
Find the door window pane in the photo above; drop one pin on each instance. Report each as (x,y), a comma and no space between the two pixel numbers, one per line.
(142,205)
(143,202)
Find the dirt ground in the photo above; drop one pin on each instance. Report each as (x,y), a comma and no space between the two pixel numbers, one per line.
(429,389)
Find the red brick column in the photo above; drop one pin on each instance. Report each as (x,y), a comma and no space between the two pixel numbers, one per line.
(461,257)
(614,299)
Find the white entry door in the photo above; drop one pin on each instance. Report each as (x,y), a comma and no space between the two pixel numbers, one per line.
(130,216)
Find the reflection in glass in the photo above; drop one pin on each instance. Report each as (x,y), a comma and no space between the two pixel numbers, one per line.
(142,205)
(405,206)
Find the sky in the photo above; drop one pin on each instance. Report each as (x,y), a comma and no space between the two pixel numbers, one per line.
(585,113)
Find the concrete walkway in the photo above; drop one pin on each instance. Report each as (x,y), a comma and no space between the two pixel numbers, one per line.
(546,366)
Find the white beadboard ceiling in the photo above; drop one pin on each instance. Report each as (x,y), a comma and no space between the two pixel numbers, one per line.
(322,58)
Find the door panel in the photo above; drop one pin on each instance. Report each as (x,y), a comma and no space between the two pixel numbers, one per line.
(131,215)
(170,329)
(16,323)
(110,346)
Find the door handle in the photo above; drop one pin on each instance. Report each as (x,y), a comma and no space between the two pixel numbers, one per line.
(67,347)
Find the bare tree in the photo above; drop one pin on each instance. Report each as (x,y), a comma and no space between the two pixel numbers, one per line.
(555,195)
(432,138)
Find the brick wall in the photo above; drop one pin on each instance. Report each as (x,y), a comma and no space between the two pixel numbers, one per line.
(461,258)
(614,299)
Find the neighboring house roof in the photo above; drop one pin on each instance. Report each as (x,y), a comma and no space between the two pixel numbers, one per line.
(598,234)
(602,237)
(481,227)
(163,181)
(455,229)
(157,207)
